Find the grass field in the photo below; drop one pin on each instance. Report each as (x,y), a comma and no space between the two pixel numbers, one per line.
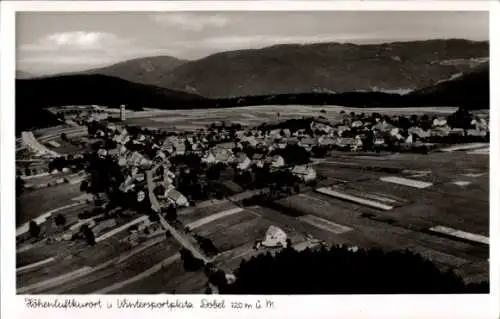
(115,273)
(193,214)
(170,279)
(34,203)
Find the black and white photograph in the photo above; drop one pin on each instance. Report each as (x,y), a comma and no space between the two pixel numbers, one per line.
(252,152)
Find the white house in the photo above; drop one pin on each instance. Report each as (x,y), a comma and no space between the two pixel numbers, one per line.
(409,139)
(437,122)
(357,124)
(243,162)
(277,161)
(304,172)
(140,196)
(275,237)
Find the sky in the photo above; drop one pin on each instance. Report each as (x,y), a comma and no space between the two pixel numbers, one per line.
(49,43)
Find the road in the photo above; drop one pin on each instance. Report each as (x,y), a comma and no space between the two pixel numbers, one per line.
(156,207)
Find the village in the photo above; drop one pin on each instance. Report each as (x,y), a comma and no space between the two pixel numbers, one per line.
(140,185)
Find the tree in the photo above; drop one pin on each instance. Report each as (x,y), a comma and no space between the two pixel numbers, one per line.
(89,235)
(171,213)
(60,220)
(338,270)
(84,186)
(191,263)
(208,290)
(34,229)
(20,184)
(64,137)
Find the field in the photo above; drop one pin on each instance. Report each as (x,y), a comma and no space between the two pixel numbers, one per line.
(95,268)
(34,203)
(464,208)
(254,115)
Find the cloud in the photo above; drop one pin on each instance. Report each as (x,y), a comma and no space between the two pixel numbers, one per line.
(75,50)
(76,41)
(194,22)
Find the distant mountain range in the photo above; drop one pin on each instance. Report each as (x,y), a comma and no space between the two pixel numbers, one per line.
(331,67)
(441,72)
(295,68)
(148,70)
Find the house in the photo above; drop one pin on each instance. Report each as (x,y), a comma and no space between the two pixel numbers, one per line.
(258,160)
(476,132)
(457,132)
(305,172)
(275,237)
(378,141)
(243,162)
(225,146)
(308,143)
(356,124)
(382,126)
(224,156)
(341,129)
(326,141)
(250,140)
(141,195)
(208,158)
(139,177)
(315,126)
(102,153)
(175,197)
(409,139)
(437,122)
(419,132)
(127,185)
(277,161)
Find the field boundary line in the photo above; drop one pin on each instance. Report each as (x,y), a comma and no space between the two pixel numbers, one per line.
(206,220)
(35,264)
(24,228)
(166,262)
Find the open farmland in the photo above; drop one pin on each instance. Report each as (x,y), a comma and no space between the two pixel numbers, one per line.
(34,203)
(132,266)
(463,207)
(255,115)
(193,214)
(172,278)
(99,267)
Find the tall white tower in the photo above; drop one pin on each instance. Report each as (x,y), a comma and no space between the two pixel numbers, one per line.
(123,117)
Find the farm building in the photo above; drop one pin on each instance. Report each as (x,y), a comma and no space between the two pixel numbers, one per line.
(305,172)
(275,237)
